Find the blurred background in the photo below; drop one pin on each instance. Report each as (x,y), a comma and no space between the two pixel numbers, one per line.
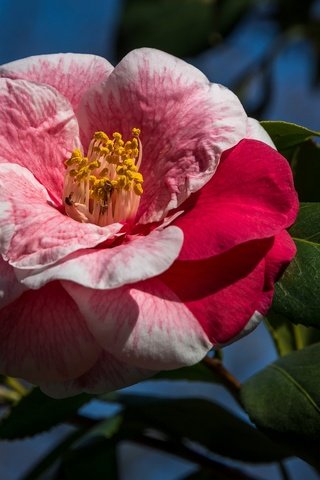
(267,52)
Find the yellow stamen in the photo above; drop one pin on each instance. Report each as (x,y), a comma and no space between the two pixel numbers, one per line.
(105,187)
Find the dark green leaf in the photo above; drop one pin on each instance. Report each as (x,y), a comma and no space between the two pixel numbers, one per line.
(45,463)
(196,373)
(105,429)
(180,27)
(203,422)
(36,413)
(298,293)
(284,400)
(305,163)
(286,135)
(307,225)
(229,13)
(96,460)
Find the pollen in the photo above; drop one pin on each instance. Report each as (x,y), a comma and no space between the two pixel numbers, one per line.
(105,186)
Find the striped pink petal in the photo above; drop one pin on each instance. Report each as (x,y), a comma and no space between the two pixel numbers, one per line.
(72,74)
(145,325)
(186,123)
(38,129)
(44,337)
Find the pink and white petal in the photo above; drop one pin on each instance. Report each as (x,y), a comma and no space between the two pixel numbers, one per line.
(10,287)
(251,196)
(43,337)
(222,292)
(106,375)
(255,131)
(33,233)
(186,123)
(38,129)
(72,74)
(141,258)
(145,325)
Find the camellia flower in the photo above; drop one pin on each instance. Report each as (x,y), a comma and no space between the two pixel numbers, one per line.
(143,219)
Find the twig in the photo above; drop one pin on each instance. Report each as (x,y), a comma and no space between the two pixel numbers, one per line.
(226,378)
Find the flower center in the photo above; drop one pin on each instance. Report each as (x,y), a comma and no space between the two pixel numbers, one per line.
(105,187)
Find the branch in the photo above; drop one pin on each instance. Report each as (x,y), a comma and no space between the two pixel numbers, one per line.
(231,383)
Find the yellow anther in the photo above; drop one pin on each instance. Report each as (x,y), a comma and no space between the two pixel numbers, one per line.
(129,162)
(69,162)
(105,185)
(101,136)
(122,181)
(136,176)
(94,165)
(117,136)
(121,169)
(120,151)
(76,153)
(137,188)
(104,150)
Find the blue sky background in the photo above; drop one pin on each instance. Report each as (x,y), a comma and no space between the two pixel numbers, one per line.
(39,26)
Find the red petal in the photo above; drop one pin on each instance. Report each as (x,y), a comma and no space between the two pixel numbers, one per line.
(251,196)
(224,291)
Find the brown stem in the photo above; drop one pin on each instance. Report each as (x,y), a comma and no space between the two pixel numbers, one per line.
(226,378)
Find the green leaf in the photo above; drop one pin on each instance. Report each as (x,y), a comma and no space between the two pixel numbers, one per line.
(36,413)
(284,400)
(180,27)
(307,225)
(286,135)
(45,463)
(196,373)
(230,12)
(283,333)
(305,163)
(203,422)
(105,429)
(297,295)
(96,460)
(287,336)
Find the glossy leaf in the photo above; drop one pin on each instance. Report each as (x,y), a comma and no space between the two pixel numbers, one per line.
(297,294)
(36,413)
(284,400)
(286,135)
(203,422)
(289,337)
(179,27)
(305,163)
